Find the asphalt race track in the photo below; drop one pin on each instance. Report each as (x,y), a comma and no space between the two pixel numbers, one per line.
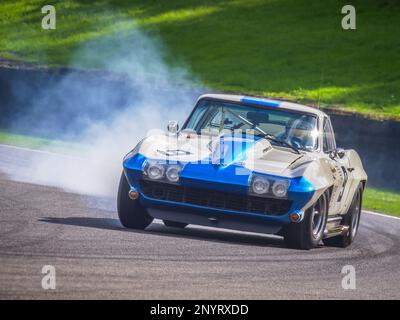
(95,257)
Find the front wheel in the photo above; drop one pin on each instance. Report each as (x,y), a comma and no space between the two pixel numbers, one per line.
(352,220)
(309,232)
(130,212)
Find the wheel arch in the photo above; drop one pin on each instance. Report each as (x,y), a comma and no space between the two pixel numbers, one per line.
(363,184)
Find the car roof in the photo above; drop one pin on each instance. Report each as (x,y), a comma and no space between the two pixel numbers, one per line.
(266,102)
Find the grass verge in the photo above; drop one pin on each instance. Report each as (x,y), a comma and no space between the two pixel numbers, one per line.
(382,201)
(23,141)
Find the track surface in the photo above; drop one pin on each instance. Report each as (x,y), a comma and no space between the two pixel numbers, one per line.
(95,257)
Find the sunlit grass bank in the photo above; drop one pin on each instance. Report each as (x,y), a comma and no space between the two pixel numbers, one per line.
(282,48)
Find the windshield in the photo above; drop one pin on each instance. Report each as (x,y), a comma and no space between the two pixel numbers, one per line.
(294,128)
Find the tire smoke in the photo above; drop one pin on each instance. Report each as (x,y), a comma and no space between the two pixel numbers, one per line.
(106,122)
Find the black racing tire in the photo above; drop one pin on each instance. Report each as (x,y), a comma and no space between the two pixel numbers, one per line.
(174,224)
(130,212)
(309,232)
(351,219)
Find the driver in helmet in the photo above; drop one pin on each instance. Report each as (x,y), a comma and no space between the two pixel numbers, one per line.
(298,133)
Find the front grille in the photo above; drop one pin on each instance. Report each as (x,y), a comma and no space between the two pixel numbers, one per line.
(214,199)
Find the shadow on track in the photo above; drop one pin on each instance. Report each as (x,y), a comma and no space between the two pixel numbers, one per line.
(192,232)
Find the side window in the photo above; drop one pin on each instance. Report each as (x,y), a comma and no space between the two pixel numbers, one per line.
(329,138)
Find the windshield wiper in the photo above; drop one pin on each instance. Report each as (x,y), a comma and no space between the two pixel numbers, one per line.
(281,142)
(267,136)
(246,121)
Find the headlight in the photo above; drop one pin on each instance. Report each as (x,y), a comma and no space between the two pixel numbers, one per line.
(172,173)
(279,188)
(269,186)
(162,171)
(260,185)
(155,171)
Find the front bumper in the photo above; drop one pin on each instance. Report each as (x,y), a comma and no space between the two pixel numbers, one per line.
(233,214)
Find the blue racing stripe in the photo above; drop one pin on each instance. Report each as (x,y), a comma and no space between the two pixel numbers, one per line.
(261,101)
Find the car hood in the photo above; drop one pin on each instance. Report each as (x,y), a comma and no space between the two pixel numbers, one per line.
(253,153)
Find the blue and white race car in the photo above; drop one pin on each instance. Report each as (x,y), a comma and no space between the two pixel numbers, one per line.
(250,164)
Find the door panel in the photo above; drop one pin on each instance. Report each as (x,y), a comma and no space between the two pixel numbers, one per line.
(337,191)
(345,195)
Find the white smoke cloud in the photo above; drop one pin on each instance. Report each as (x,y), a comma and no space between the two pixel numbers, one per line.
(159,93)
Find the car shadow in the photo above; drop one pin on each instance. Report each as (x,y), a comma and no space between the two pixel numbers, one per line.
(191,232)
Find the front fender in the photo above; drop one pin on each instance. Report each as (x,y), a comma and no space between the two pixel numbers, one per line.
(319,173)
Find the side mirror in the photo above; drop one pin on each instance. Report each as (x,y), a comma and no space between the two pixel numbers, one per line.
(337,153)
(173,126)
(340,152)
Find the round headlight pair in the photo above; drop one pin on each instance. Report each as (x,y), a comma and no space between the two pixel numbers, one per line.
(157,171)
(261,185)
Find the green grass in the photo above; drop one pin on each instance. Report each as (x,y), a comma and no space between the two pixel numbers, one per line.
(374,199)
(23,141)
(39,143)
(282,48)
(382,201)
